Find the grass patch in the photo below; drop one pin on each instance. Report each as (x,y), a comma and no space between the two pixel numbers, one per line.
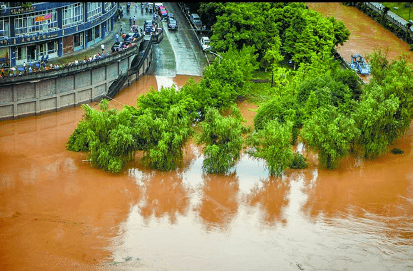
(260,92)
(404,9)
(258,74)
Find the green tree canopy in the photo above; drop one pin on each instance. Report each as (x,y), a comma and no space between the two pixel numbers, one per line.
(375,117)
(330,133)
(108,134)
(273,144)
(223,141)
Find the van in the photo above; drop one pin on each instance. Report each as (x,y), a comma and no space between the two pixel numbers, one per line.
(196,20)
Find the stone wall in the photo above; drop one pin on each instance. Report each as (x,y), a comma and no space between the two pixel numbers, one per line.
(36,94)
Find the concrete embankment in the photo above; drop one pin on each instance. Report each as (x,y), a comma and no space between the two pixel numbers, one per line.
(54,90)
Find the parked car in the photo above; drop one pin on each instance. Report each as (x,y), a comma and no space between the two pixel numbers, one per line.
(205,44)
(116,46)
(157,5)
(163,11)
(172,25)
(147,26)
(119,44)
(169,17)
(196,21)
(130,36)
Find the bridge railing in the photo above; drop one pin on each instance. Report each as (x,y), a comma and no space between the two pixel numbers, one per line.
(139,59)
(63,71)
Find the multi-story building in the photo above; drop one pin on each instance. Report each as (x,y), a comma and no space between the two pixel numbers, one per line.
(30,30)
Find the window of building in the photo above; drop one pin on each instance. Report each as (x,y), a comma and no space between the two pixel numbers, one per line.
(107,6)
(52,47)
(35,22)
(72,14)
(4,27)
(42,49)
(97,31)
(78,39)
(94,10)
(21,53)
(90,35)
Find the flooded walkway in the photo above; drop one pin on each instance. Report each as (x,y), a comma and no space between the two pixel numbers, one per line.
(59,213)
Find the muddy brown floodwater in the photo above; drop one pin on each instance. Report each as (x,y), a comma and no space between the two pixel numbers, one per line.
(366,35)
(59,213)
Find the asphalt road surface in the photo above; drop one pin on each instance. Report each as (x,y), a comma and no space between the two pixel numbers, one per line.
(179,53)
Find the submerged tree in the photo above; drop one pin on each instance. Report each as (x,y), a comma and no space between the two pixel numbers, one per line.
(107,134)
(273,144)
(223,139)
(329,132)
(375,118)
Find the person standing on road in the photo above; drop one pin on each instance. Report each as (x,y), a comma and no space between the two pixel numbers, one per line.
(130,21)
(103,47)
(117,37)
(134,20)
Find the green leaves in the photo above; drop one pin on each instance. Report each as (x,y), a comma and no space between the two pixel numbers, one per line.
(222,136)
(106,134)
(330,133)
(273,143)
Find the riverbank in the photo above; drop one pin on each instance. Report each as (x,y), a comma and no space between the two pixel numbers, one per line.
(398,26)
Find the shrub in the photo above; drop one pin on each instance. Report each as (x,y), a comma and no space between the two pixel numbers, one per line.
(298,161)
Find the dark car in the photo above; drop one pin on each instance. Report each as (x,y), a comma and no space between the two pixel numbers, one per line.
(130,36)
(148,24)
(116,46)
(172,25)
(170,16)
(119,44)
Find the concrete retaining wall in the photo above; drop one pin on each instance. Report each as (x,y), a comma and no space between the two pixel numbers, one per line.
(36,94)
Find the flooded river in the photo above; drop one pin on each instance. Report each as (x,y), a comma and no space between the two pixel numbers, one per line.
(59,213)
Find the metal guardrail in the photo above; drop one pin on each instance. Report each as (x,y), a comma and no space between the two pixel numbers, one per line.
(396,24)
(346,65)
(118,84)
(391,16)
(51,73)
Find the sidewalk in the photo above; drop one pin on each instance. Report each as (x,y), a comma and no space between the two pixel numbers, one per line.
(108,41)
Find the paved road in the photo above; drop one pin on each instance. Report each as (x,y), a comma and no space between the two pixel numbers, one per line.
(179,52)
(189,57)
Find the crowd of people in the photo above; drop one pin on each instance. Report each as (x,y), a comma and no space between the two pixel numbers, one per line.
(31,68)
(41,66)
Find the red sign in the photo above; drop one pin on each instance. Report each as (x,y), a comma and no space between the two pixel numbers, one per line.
(43,18)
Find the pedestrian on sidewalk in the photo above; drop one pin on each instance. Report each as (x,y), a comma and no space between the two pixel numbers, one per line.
(134,20)
(103,47)
(121,30)
(136,7)
(130,21)
(117,37)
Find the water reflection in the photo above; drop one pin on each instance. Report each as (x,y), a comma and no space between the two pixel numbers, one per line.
(366,34)
(164,196)
(219,204)
(356,217)
(271,199)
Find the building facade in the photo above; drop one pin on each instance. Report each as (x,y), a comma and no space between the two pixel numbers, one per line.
(29,31)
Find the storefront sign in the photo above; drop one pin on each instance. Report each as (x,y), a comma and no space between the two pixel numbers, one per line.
(15,11)
(43,18)
(33,38)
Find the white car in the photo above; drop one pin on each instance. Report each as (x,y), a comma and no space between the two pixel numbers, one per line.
(205,44)
(158,5)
